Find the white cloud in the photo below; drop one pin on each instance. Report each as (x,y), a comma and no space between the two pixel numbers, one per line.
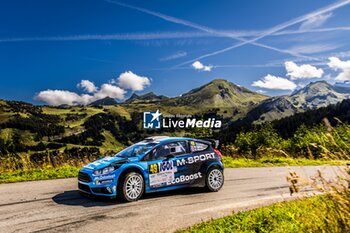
(342,66)
(199,66)
(126,80)
(315,21)
(275,83)
(87,86)
(131,81)
(60,97)
(110,91)
(303,71)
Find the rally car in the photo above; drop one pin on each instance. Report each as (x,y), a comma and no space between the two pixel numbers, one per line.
(155,164)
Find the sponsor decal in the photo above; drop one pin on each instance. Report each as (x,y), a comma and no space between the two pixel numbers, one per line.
(97,182)
(161,173)
(166,166)
(162,167)
(195,159)
(161,178)
(153,120)
(104,177)
(186,178)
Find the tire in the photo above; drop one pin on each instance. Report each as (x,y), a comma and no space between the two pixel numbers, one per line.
(132,187)
(214,179)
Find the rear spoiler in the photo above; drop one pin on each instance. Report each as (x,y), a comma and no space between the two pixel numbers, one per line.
(214,142)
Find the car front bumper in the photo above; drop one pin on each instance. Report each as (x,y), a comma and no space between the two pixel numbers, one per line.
(98,186)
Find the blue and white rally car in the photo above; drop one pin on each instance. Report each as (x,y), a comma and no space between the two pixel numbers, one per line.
(155,164)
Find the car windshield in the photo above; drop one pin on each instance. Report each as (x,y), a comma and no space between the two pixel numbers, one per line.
(136,150)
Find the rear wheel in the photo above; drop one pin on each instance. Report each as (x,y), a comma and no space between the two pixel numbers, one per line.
(214,179)
(131,188)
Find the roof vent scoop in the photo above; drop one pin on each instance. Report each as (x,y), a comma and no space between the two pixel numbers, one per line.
(155,138)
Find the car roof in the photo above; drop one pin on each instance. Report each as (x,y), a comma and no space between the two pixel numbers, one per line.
(166,139)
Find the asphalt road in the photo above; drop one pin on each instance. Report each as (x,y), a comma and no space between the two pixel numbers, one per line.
(56,206)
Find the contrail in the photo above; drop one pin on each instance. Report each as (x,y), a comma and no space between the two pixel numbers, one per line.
(276,29)
(166,35)
(201,28)
(291,32)
(165,17)
(134,36)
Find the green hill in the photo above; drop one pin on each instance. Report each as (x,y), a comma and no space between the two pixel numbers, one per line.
(220,93)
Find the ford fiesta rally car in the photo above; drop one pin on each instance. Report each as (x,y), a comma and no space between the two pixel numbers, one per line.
(152,165)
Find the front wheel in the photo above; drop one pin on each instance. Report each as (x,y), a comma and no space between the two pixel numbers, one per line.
(131,188)
(214,179)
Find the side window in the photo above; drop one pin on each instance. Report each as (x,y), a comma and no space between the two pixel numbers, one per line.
(179,148)
(198,146)
(174,148)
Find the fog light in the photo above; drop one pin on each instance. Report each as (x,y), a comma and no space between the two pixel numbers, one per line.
(109,190)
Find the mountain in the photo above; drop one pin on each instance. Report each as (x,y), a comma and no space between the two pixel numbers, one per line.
(146,98)
(318,94)
(227,98)
(287,126)
(38,130)
(314,95)
(105,101)
(335,113)
(219,93)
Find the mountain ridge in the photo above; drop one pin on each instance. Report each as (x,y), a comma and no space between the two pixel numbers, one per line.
(314,95)
(145,98)
(220,93)
(104,101)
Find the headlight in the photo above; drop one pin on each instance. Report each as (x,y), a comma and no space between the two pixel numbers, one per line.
(103,171)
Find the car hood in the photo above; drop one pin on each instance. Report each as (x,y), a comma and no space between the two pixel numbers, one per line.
(106,161)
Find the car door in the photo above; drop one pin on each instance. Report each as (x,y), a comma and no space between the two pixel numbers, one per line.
(202,155)
(163,168)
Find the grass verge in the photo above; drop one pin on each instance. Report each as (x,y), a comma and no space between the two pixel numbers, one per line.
(70,171)
(38,174)
(315,214)
(230,162)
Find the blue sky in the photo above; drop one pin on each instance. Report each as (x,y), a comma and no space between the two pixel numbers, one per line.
(168,47)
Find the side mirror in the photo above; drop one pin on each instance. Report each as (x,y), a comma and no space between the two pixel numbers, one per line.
(170,156)
(172,150)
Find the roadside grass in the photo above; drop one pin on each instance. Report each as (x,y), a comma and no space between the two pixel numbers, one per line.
(315,214)
(230,162)
(38,174)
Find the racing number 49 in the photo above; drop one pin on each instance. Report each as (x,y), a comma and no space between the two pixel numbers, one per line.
(153,168)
